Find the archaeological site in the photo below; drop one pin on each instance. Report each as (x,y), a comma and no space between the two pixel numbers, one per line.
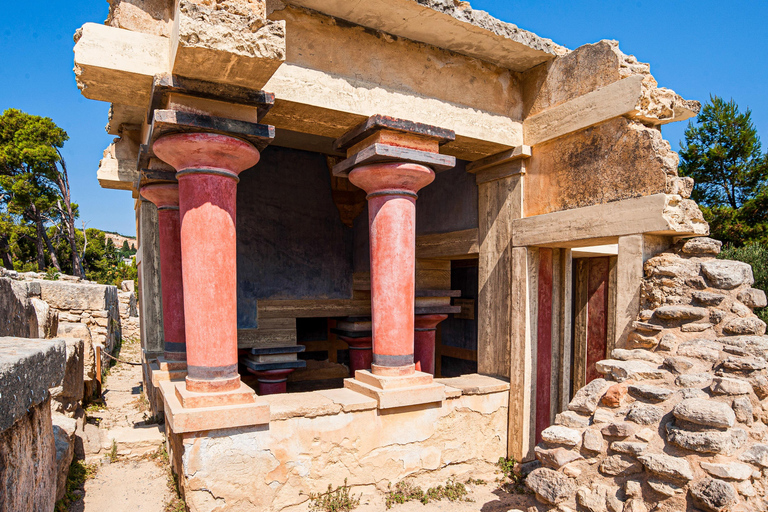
(381,241)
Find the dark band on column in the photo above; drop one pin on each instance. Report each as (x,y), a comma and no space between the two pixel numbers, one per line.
(392,361)
(174,346)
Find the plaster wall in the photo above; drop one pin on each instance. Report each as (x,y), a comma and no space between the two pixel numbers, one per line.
(317,443)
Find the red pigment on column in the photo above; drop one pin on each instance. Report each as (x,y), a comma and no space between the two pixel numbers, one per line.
(425,329)
(597,314)
(544,344)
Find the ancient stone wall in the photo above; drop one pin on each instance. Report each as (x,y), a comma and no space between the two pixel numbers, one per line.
(679,419)
(28,463)
(324,437)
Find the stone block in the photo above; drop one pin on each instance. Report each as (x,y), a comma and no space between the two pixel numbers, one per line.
(45,321)
(27,369)
(727,274)
(67,396)
(68,296)
(16,311)
(393,397)
(64,439)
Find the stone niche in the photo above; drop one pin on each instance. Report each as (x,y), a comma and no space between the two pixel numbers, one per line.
(324,437)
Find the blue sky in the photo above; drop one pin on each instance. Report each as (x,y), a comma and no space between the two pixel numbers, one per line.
(694,47)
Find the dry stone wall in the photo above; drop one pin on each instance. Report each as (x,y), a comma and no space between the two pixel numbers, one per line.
(678,421)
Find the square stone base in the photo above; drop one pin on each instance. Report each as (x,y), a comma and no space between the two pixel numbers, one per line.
(226,414)
(163,372)
(397,391)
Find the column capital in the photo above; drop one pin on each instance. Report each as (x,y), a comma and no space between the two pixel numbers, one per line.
(163,195)
(211,152)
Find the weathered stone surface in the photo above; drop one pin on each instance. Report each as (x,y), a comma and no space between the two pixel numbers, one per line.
(729,471)
(744,326)
(671,265)
(745,364)
(550,486)
(629,447)
(624,370)
(614,395)
(557,434)
(592,500)
(652,393)
(757,454)
(623,465)
(701,349)
(707,298)
(636,354)
(742,407)
(695,327)
(681,313)
(67,396)
(730,386)
(557,457)
(710,413)
(27,453)
(618,430)
(740,309)
(644,414)
(638,340)
(693,380)
(727,274)
(753,298)
(702,246)
(713,495)
(665,488)
(16,311)
(66,295)
(667,466)
(725,443)
(592,440)
(27,369)
(586,399)
(603,416)
(64,440)
(678,365)
(571,419)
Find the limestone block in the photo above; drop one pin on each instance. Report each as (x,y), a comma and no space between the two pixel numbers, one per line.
(624,370)
(644,414)
(45,322)
(16,312)
(64,440)
(753,298)
(704,412)
(652,393)
(117,167)
(741,326)
(586,399)
(67,396)
(148,16)
(77,296)
(702,246)
(714,495)
(28,469)
(557,434)
(730,386)
(757,454)
(728,471)
(667,466)
(719,442)
(620,465)
(550,486)
(726,274)
(233,46)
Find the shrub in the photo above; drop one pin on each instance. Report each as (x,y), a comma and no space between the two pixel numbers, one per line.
(756,254)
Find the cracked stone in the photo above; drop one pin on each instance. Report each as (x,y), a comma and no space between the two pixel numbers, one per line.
(700,351)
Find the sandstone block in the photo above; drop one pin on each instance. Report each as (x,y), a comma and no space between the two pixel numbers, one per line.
(709,413)
(693,380)
(678,365)
(730,386)
(571,419)
(726,274)
(550,486)
(614,396)
(753,298)
(742,407)
(667,466)
(618,430)
(701,349)
(556,457)
(629,447)
(713,495)
(77,296)
(740,309)
(638,340)
(665,488)
(636,354)
(745,364)
(702,246)
(696,327)
(603,416)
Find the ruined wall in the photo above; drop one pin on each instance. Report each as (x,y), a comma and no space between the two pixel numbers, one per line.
(679,419)
(291,243)
(320,438)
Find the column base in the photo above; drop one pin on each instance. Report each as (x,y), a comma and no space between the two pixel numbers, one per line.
(272,382)
(161,370)
(391,391)
(187,411)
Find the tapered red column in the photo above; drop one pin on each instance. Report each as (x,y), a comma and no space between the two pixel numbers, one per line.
(207,170)
(425,328)
(166,197)
(391,189)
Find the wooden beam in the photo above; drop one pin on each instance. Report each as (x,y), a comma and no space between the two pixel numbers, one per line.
(454,245)
(595,225)
(458,353)
(597,314)
(544,351)
(614,100)
(313,308)
(581,298)
(566,322)
(271,332)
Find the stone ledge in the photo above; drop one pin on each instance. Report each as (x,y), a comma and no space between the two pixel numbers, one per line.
(399,397)
(476,384)
(28,367)
(180,419)
(284,406)
(159,375)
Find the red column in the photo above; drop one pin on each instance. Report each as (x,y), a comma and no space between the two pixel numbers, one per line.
(360,353)
(425,328)
(166,197)
(391,189)
(207,168)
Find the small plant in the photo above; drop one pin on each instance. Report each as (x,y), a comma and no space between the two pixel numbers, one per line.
(475,481)
(79,472)
(51,274)
(513,481)
(407,491)
(113,452)
(338,500)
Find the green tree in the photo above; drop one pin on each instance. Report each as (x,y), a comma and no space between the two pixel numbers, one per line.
(34,183)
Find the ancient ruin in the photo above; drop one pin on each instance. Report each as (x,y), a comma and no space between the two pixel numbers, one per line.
(389,239)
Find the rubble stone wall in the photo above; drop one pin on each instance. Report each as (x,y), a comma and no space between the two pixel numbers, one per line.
(313,441)
(678,422)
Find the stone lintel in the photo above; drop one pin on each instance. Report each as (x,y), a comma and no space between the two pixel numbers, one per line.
(401,396)
(510,155)
(380,122)
(381,153)
(182,419)
(165,84)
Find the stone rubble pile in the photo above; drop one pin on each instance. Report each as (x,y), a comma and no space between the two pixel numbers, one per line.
(679,420)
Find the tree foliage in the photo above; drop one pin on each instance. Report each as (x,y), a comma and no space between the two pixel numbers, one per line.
(723,154)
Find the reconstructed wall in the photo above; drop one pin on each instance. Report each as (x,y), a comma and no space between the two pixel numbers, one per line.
(320,438)
(679,420)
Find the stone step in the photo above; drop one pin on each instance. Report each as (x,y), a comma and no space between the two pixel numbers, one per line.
(133,442)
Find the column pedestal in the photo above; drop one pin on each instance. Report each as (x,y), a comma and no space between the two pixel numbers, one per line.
(424,341)
(272,382)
